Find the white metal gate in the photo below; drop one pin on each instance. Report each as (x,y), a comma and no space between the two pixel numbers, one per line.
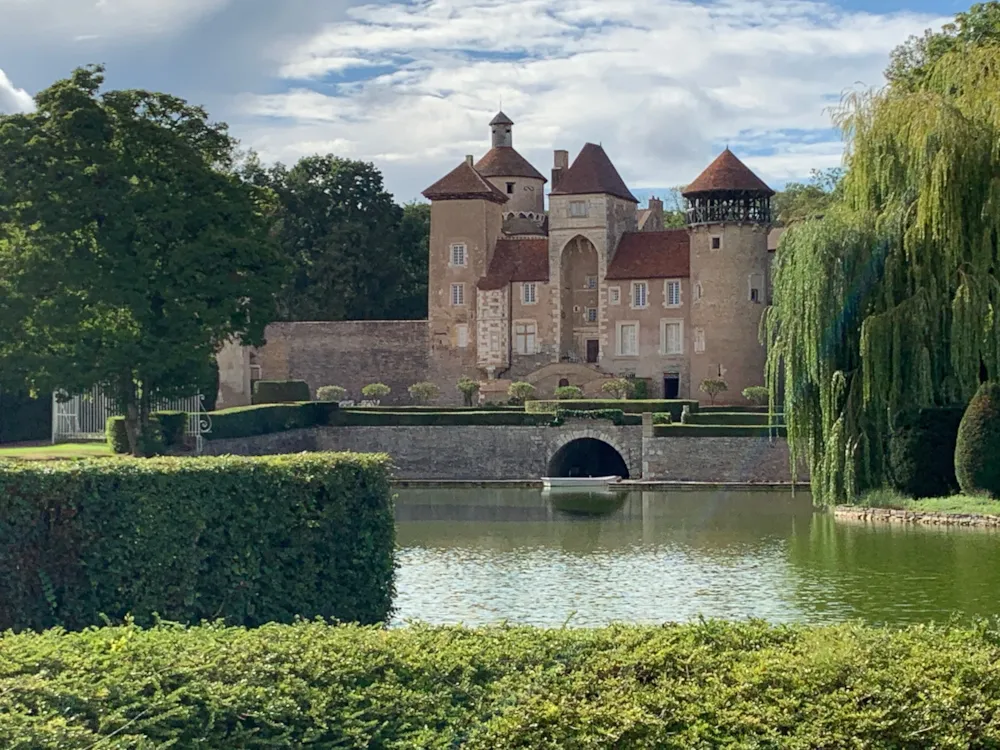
(85,417)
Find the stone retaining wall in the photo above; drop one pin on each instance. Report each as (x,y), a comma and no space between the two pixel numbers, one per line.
(717,459)
(914,517)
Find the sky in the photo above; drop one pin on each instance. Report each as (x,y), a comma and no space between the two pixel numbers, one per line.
(411,86)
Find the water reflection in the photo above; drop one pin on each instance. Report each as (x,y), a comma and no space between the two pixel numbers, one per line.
(479,556)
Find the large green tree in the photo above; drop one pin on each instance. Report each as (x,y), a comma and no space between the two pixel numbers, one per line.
(805,200)
(893,300)
(130,251)
(356,254)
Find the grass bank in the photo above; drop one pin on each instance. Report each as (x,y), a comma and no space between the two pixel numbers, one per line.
(887,498)
(57,452)
(704,685)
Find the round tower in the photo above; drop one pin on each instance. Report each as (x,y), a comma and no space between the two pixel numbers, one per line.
(512,174)
(728,218)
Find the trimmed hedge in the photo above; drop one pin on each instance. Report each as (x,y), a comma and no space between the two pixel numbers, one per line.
(24,419)
(248,421)
(713,430)
(977,446)
(759,419)
(629,406)
(672,687)
(369,418)
(280,391)
(616,416)
(247,540)
(922,451)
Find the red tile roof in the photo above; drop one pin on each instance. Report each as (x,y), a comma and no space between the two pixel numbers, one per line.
(593,172)
(504,161)
(727,173)
(464,183)
(517,260)
(652,255)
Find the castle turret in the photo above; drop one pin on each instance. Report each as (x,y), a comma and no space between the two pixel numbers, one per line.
(729,217)
(512,174)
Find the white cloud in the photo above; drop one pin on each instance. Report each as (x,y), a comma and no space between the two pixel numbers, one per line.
(412,85)
(13,99)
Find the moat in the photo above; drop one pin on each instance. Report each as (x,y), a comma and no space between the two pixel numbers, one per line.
(488,555)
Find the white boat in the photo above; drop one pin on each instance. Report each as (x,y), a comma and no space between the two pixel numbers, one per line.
(579,483)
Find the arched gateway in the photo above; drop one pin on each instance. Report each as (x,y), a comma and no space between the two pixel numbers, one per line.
(588,454)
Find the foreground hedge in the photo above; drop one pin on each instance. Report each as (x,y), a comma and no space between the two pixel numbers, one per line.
(706,685)
(249,540)
(629,406)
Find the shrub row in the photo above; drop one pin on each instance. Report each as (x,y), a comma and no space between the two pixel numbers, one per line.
(23,418)
(248,421)
(367,418)
(631,406)
(922,451)
(759,419)
(169,430)
(280,391)
(248,540)
(713,430)
(673,687)
(616,416)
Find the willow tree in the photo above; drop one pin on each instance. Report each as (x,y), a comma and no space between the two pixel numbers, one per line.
(892,301)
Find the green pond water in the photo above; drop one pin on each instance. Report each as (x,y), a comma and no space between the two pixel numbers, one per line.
(485,556)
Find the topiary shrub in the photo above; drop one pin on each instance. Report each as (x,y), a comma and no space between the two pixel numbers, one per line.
(639,389)
(173,427)
(424,392)
(331,393)
(116,435)
(977,446)
(468,388)
(565,392)
(617,387)
(153,442)
(376,391)
(662,418)
(520,392)
(280,391)
(757,395)
(922,451)
(712,387)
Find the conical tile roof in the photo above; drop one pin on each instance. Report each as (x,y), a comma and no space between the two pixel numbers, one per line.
(593,172)
(727,174)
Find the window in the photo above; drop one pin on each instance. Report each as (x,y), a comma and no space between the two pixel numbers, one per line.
(756,287)
(458,257)
(462,336)
(510,188)
(614,295)
(639,290)
(591,314)
(672,294)
(590,282)
(699,340)
(529,293)
(672,341)
(524,338)
(698,291)
(457,295)
(578,209)
(717,242)
(628,339)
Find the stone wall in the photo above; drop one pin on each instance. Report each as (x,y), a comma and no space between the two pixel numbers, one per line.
(292,441)
(716,459)
(350,354)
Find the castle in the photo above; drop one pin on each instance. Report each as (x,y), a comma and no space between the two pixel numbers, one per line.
(594,287)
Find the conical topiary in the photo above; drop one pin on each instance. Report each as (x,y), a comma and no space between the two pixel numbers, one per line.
(977,450)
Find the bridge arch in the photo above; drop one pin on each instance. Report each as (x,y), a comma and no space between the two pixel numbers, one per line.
(588,453)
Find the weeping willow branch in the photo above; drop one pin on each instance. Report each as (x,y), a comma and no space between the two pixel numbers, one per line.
(890,302)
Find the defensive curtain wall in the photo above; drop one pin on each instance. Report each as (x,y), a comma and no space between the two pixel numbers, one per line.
(494,453)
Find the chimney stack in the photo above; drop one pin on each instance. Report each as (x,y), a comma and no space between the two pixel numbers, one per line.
(469,159)
(560,165)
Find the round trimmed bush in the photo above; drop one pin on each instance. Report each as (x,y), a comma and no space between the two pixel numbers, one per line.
(566,392)
(331,393)
(977,448)
(922,451)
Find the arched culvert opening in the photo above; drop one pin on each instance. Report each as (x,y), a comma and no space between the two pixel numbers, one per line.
(588,457)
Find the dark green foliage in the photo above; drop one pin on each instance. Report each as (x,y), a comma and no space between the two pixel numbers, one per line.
(662,418)
(631,406)
(672,687)
(714,430)
(249,540)
(616,416)
(247,421)
(977,447)
(922,451)
(758,418)
(640,389)
(173,426)
(280,391)
(114,432)
(372,418)
(23,418)
(168,430)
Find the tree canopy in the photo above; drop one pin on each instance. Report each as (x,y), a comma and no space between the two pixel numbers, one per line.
(130,251)
(806,200)
(892,301)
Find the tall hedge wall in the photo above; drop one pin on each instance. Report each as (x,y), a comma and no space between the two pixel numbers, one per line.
(922,451)
(674,687)
(249,540)
(23,418)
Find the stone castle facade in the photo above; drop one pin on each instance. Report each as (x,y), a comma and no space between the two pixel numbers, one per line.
(591,288)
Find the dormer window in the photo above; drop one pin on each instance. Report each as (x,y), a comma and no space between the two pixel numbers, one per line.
(578,209)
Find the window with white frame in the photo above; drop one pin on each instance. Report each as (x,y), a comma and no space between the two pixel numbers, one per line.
(640,293)
(525,334)
(590,282)
(458,255)
(462,336)
(628,339)
(529,293)
(457,295)
(614,295)
(699,340)
(591,314)
(672,293)
(578,209)
(756,287)
(672,337)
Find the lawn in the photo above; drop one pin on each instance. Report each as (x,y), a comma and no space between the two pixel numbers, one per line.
(54,452)
(951,504)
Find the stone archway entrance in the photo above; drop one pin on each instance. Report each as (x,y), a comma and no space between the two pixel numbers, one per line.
(588,457)
(578,281)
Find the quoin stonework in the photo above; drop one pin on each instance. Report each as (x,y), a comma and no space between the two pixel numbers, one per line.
(590,288)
